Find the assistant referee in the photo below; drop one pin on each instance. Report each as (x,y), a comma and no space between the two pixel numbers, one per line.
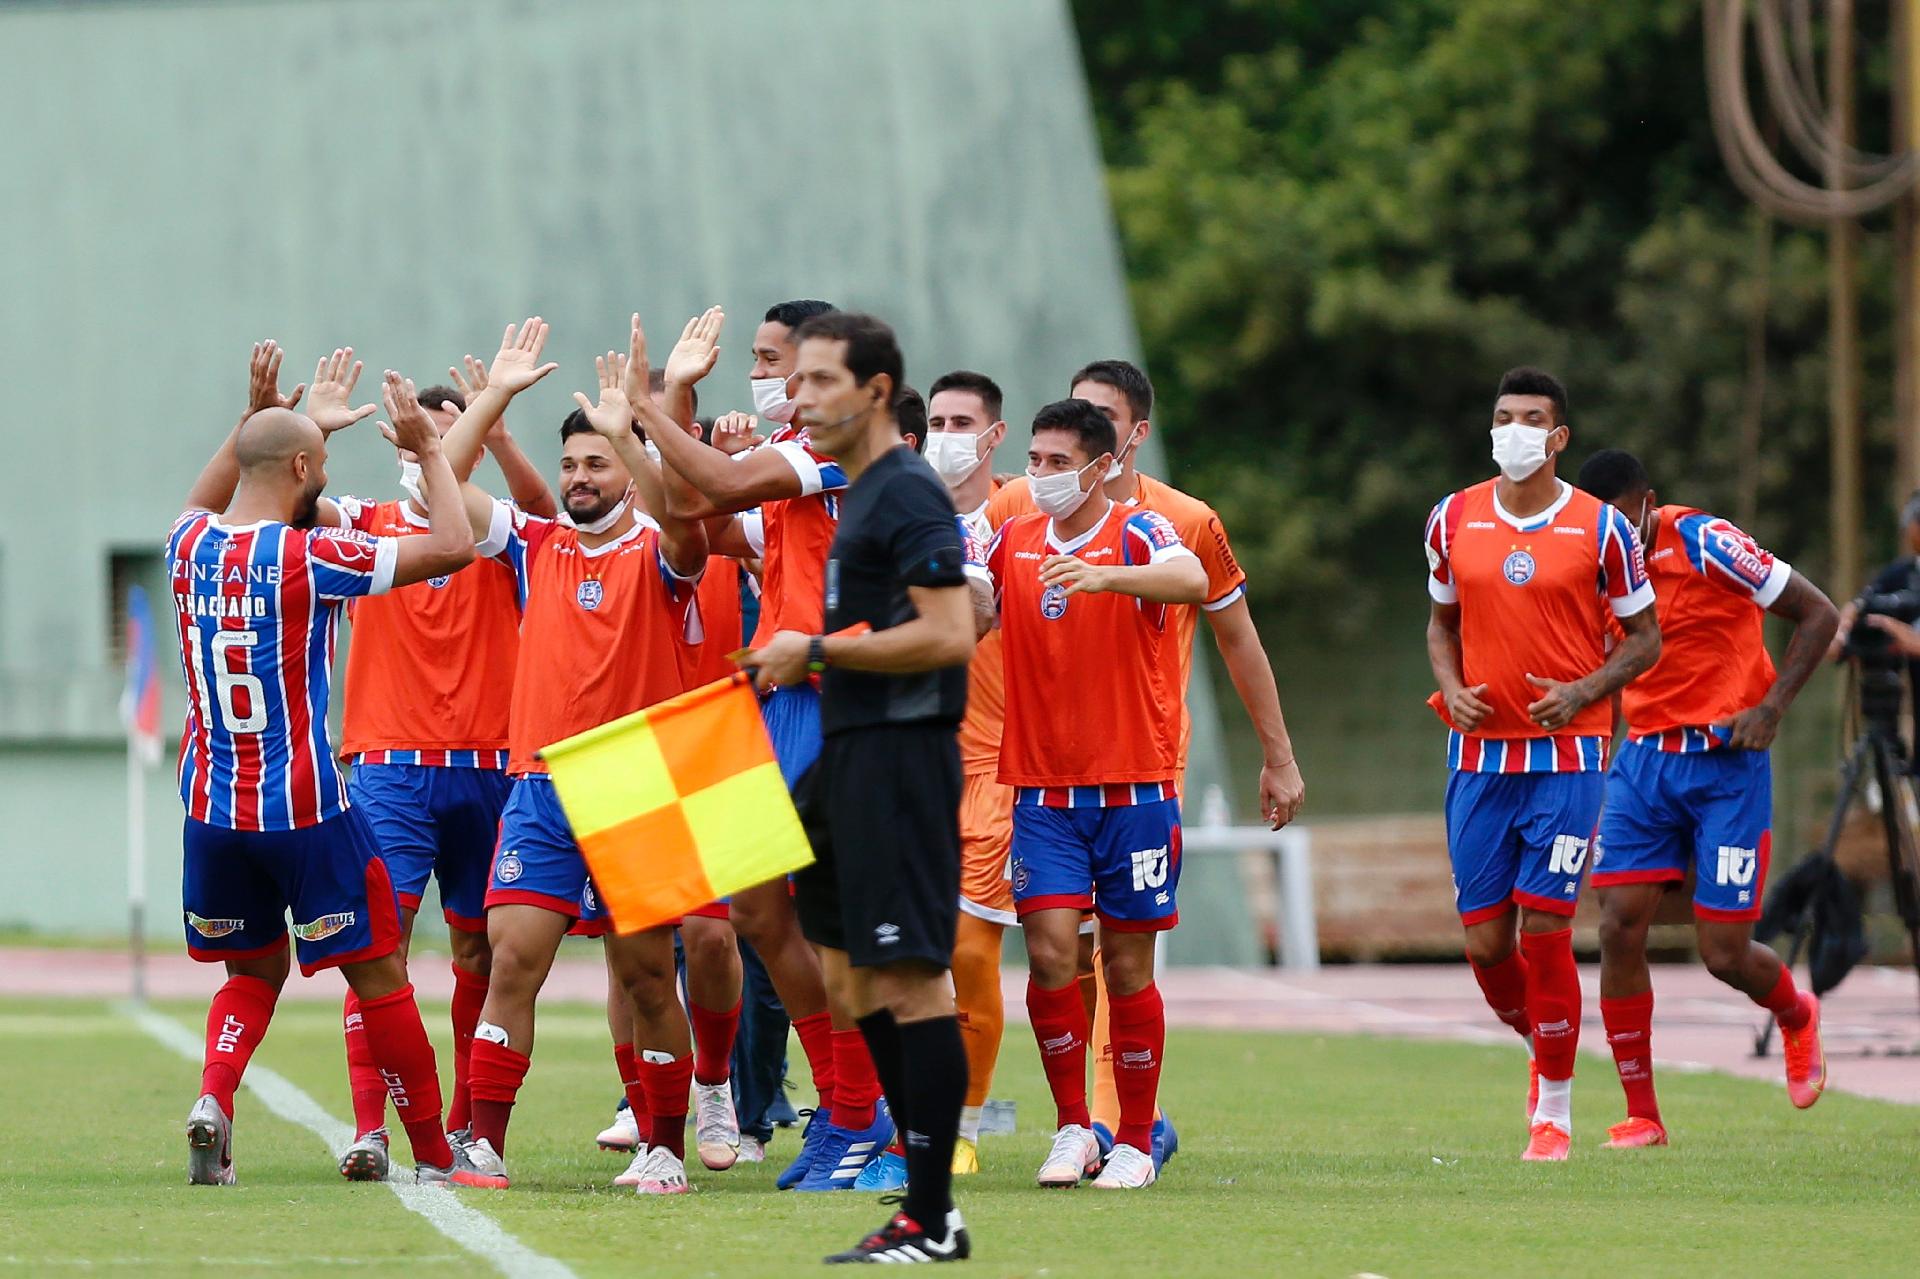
(882,804)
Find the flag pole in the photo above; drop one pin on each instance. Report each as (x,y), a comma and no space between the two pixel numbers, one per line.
(137,866)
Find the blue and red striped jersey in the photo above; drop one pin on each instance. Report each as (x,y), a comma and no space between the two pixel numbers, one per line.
(257,606)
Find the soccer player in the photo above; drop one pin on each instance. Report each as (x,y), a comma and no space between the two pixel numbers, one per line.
(1522,571)
(1124,394)
(882,800)
(1085,585)
(1692,786)
(964,427)
(797,489)
(606,632)
(269,825)
(429,679)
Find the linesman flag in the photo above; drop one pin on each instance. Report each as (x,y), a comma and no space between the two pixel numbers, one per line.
(679,804)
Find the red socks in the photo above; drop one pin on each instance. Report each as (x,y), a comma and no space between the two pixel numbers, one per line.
(628,1065)
(469,993)
(236,1023)
(713,1042)
(363,1077)
(1629,1024)
(665,1081)
(401,1049)
(1139,1037)
(1553,1000)
(1785,1002)
(495,1073)
(1060,1025)
(816,1041)
(1505,986)
(856,1084)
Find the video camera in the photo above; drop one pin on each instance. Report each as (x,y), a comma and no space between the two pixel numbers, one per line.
(1881,664)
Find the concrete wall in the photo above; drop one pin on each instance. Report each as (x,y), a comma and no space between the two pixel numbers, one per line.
(407,176)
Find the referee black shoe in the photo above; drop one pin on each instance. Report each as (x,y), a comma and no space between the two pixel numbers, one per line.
(902,1241)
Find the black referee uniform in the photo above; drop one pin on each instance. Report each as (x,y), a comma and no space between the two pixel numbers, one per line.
(882,804)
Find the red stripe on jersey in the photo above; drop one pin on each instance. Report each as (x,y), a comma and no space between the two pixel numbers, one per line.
(200,744)
(1116,795)
(1515,760)
(248,766)
(1566,754)
(1472,752)
(297,601)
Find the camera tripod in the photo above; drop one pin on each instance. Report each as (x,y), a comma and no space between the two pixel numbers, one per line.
(1880,750)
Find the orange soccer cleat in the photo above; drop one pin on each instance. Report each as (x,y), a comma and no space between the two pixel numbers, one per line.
(1634,1133)
(1547,1143)
(1806,1059)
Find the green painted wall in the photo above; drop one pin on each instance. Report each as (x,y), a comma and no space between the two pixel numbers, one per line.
(407,176)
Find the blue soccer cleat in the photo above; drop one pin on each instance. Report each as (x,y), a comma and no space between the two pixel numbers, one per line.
(887,1173)
(810,1138)
(1166,1142)
(1103,1135)
(844,1153)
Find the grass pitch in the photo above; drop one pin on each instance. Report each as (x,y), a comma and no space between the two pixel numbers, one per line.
(1300,1155)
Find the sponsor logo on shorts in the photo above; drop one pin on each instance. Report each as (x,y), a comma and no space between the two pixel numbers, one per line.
(1518,568)
(509,868)
(1737,866)
(886,934)
(1569,854)
(324,927)
(1053,603)
(1149,868)
(589,594)
(211,928)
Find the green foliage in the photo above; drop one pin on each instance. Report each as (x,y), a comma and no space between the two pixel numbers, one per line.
(1343,221)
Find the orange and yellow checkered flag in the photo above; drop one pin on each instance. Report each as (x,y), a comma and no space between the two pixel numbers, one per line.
(679,804)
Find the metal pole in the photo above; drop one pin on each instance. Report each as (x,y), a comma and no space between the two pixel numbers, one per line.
(137,867)
(1299,930)
(1843,353)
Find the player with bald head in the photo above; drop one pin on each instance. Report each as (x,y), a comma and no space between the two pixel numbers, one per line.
(269,826)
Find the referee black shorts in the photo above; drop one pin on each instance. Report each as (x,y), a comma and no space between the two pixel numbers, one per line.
(882,809)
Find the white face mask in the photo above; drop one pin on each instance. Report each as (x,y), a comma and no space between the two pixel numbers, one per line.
(608,520)
(770,399)
(1058,495)
(954,455)
(1119,466)
(410,482)
(1519,450)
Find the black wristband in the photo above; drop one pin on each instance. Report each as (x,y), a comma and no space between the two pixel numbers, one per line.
(817,654)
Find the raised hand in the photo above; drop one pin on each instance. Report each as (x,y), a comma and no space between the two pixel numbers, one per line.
(473,381)
(735,433)
(333,383)
(693,356)
(638,377)
(518,365)
(612,417)
(263,380)
(412,430)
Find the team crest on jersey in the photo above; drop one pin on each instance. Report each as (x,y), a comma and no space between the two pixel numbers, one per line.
(1053,603)
(324,927)
(437,582)
(509,868)
(213,928)
(1518,568)
(590,594)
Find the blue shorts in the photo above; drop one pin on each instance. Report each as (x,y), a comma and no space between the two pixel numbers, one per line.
(1519,838)
(1711,810)
(792,715)
(538,864)
(1123,863)
(435,821)
(236,887)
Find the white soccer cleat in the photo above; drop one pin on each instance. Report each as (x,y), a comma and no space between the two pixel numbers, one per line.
(1075,1155)
(478,1166)
(631,1177)
(716,1129)
(209,1144)
(751,1150)
(623,1134)
(366,1159)
(662,1174)
(1128,1168)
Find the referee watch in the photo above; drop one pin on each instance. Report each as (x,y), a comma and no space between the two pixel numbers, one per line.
(817,654)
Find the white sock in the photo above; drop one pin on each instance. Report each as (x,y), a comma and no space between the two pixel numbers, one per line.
(1556,1104)
(970,1123)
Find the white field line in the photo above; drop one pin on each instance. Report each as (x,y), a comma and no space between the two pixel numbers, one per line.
(474,1231)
